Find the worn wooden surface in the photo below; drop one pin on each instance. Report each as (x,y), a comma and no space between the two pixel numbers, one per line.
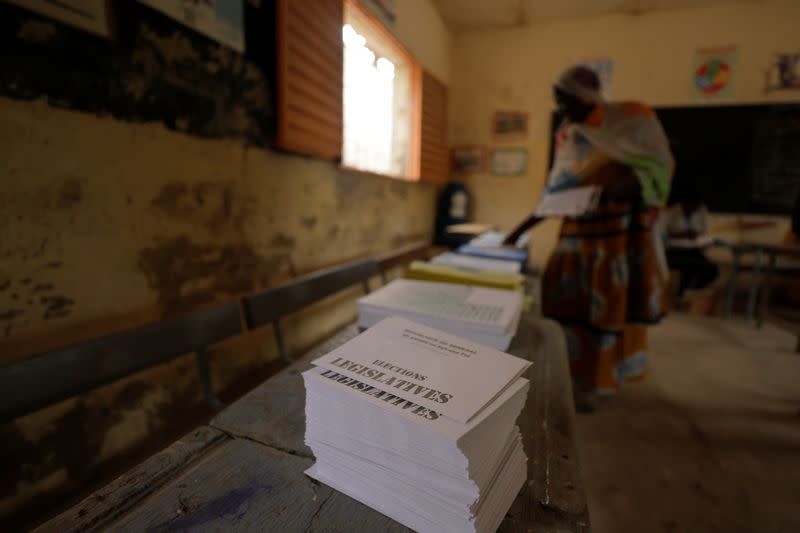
(250,475)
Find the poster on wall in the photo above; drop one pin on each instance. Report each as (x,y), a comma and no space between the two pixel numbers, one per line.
(469,159)
(784,73)
(222,20)
(92,16)
(604,68)
(510,125)
(383,10)
(713,73)
(509,161)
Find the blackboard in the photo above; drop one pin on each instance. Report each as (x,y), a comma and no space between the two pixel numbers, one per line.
(735,159)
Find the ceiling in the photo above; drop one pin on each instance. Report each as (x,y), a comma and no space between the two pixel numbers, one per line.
(480,14)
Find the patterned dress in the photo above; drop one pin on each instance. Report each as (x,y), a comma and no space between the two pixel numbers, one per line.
(605,281)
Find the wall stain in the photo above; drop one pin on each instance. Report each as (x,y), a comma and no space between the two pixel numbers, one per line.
(69,193)
(53,264)
(10,314)
(56,306)
(42,287)
(355,190)
(4,285)
(185,274)
(399,188)
(281,240)
(308,222)
(154,70)
(209,204)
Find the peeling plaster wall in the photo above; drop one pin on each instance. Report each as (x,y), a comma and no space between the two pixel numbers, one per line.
(153,195)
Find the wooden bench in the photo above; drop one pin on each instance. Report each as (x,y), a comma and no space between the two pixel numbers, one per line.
(244,471)
(36,382)
(267,307)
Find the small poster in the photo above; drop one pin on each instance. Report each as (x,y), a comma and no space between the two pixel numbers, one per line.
(87,15)
(510,125)
(468,159)
(784,73)
(604,68)
(222,20)
(713,71)
(509,161)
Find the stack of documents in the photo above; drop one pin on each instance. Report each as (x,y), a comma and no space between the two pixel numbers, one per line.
(420,426)
(486,316)
(450,274)
(478,264)
(493,239)
(518,255)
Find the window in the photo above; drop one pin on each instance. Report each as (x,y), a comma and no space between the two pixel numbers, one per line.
(348,92)
(378,101)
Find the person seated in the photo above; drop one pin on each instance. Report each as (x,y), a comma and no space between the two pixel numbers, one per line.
(687,236)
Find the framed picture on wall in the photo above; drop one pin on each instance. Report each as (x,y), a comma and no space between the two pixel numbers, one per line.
(509,161)
(468,159)
(93,16)
(784,73)
(510,125)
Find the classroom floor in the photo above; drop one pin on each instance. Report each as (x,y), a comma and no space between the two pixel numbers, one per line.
(710,441)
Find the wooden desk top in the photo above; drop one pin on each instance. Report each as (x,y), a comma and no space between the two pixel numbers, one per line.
(244,471)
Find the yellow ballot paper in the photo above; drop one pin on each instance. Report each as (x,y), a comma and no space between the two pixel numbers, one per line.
(450,274)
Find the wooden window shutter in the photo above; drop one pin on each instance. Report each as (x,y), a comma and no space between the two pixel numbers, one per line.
(310,77)
(434,161)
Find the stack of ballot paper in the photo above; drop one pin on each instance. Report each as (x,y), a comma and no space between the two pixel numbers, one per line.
(487,316)
(450,274)
(504,253)
(478,264)
(420,426)
(493,239)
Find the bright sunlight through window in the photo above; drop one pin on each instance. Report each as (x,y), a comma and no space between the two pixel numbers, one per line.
(376,103)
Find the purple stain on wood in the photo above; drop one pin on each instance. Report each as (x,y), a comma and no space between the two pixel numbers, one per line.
(226,505)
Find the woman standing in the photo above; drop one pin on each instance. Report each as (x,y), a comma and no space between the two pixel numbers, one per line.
(604,282)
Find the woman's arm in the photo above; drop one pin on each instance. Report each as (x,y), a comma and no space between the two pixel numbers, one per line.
(524,226)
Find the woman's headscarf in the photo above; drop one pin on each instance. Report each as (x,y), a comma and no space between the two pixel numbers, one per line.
(628,132)
(582,82)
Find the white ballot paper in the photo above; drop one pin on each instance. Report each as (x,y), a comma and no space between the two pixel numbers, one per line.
(419,425)
(448,374)
(571,202)
(484,315)
(477,264)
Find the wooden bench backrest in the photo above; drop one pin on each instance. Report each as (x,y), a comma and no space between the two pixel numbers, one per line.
(268,306)
(36,382)
(403,256)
